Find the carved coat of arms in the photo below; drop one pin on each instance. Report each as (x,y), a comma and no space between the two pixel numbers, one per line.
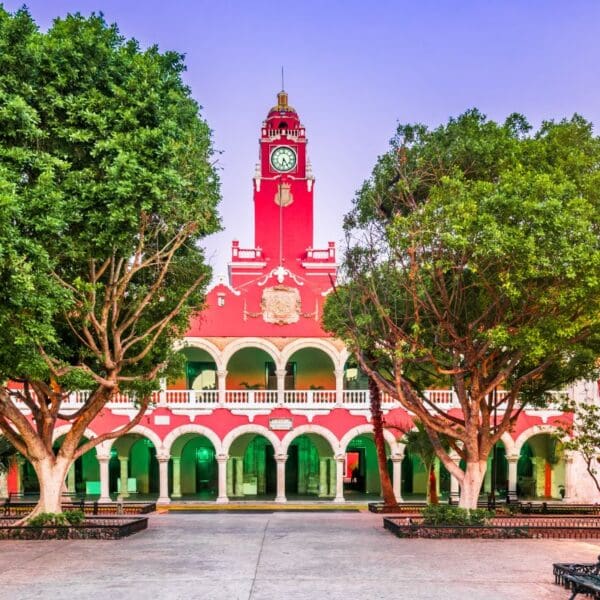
(281,305)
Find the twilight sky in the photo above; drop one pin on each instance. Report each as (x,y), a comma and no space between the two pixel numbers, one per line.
(354,70)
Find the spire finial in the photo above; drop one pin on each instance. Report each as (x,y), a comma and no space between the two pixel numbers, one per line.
(282,80)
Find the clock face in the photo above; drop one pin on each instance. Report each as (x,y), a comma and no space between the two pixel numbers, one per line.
(283,159)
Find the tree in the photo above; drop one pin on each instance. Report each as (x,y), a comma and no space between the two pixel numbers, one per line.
(473,259)
(107,185)
(583,435)
(417,442)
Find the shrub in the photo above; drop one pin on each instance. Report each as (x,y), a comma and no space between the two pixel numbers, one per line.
(64,519)
(443,514)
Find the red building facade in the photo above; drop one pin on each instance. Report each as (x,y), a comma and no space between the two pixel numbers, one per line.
(269,404)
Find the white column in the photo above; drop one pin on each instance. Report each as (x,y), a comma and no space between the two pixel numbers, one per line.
(281,459)
(397,476)
(124,462)
(71,479)
(104,479)
(339,478)
(176,476)
(162,394)
(454,485)
(339,386)
(512,478)
(332,476)
(222,478)
(487,481)
(3,485)
(539,475)
(280,373)
(163,480)
(323,487)
(230,467)
(568,466)
(239,477)
(221,383)
(20,466)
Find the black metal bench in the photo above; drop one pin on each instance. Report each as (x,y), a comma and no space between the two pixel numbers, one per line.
(583,584)
(560,570)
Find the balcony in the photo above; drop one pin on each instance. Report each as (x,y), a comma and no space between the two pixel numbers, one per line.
(245,254)
(265,399)
(318,255)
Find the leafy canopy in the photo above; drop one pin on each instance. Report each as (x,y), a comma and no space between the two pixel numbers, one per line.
(473,260)
(100,144)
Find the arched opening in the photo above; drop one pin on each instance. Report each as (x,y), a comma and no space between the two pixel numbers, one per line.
(497,471)
(312,369)
(193,468)
(133,467)
(83,477)
(361,470)
(310,467)
(251,468)
(199,371)
(354,377)
(251,369)
(541,468)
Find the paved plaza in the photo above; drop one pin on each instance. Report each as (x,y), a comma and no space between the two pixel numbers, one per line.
(271,556)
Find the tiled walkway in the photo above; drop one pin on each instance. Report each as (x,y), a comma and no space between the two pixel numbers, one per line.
(282,556)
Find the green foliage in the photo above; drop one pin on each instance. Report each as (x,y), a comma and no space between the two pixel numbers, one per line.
(442,514)
(582,435)
(98,138)
(101,148)
(418,442)
(7,454)
(64,519)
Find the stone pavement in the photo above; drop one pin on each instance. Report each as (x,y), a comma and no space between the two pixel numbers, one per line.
(281,556)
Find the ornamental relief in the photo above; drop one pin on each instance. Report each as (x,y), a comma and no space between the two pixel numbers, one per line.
(281,305)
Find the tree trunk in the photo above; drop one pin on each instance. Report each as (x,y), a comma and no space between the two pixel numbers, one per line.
(433,495)
(387,491)
(51,473)
(471,484)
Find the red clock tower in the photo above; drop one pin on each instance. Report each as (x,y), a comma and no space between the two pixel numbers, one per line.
(277,287)
(283,187)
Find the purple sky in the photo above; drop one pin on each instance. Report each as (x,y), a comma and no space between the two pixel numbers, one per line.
(354,69)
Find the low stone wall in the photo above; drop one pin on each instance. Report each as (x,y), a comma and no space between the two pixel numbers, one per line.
(500,528)
(102,528)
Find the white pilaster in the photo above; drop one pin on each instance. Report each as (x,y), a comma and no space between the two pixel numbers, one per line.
(124,463)
(222,498)
(339,386)
(397,476)
(103,461)
(239,477)
(3,485)
(221,385)
(323,487)
(512,477)
(280,373)
(454,484)
(568,458)
(339,479)
(163,480)
(281,460)
(176,462)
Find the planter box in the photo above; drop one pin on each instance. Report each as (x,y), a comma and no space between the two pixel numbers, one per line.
(500,528)
(101,528)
